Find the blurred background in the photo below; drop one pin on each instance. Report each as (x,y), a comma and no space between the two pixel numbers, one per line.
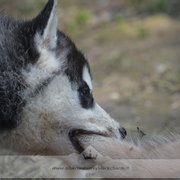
(133,47)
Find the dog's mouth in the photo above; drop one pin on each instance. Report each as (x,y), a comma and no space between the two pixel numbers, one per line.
(74,134)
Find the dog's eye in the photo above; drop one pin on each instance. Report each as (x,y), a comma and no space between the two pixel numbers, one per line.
(85,91)
(85,95)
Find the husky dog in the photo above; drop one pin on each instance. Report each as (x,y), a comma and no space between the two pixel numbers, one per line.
(46,99)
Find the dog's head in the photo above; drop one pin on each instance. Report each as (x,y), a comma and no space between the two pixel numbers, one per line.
(59,96)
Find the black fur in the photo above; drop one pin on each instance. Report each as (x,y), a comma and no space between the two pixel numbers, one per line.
(12,57)
(85,96)
(75,64)
(16,51)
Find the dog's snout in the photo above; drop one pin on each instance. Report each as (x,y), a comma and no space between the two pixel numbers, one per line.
(122,132)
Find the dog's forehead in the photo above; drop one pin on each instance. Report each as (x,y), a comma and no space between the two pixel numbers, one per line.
(76,65)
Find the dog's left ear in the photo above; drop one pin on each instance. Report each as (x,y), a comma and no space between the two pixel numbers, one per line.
(45,26)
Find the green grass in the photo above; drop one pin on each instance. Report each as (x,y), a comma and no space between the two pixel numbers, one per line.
(150,5)
(143,32)
(81,19)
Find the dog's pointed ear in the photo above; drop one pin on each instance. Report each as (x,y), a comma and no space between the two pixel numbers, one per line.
(45,25)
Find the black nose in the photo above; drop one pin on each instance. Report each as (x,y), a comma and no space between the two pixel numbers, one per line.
(122,132)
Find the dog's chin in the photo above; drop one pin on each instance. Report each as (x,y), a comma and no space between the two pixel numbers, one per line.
(81,139)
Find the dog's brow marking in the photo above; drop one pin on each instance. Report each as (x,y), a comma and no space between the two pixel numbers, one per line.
(86,77)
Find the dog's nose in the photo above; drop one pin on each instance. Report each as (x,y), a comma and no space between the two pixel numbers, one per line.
(123,132)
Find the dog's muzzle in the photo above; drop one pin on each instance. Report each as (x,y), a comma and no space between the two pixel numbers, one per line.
(75,133)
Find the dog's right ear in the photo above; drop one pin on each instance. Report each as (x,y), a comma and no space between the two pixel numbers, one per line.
(44,26)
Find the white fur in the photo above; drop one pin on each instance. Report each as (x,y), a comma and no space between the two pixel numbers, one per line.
(48,117)
(49,37)
(87,77)
(48,62)
(47,58)
(47,65)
